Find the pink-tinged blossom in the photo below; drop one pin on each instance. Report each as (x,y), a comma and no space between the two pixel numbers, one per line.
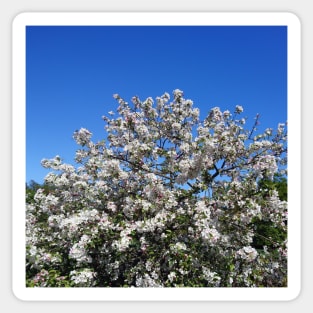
(239,109)
(83,278)
(82,136)
(247,253)
(147,281)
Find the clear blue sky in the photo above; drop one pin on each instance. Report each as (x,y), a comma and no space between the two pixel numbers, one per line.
(72,73)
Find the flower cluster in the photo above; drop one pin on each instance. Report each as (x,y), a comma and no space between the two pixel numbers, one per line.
(166,201)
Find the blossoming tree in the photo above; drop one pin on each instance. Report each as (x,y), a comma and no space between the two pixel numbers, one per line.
(166,200)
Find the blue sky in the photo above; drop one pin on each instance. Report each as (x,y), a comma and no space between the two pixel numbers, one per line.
(72,73)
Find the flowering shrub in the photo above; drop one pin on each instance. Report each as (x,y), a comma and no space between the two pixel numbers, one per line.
(166,200)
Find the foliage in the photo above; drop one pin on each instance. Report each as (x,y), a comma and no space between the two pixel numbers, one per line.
(166,200)
(32,187)
(279,183)
(266,232)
